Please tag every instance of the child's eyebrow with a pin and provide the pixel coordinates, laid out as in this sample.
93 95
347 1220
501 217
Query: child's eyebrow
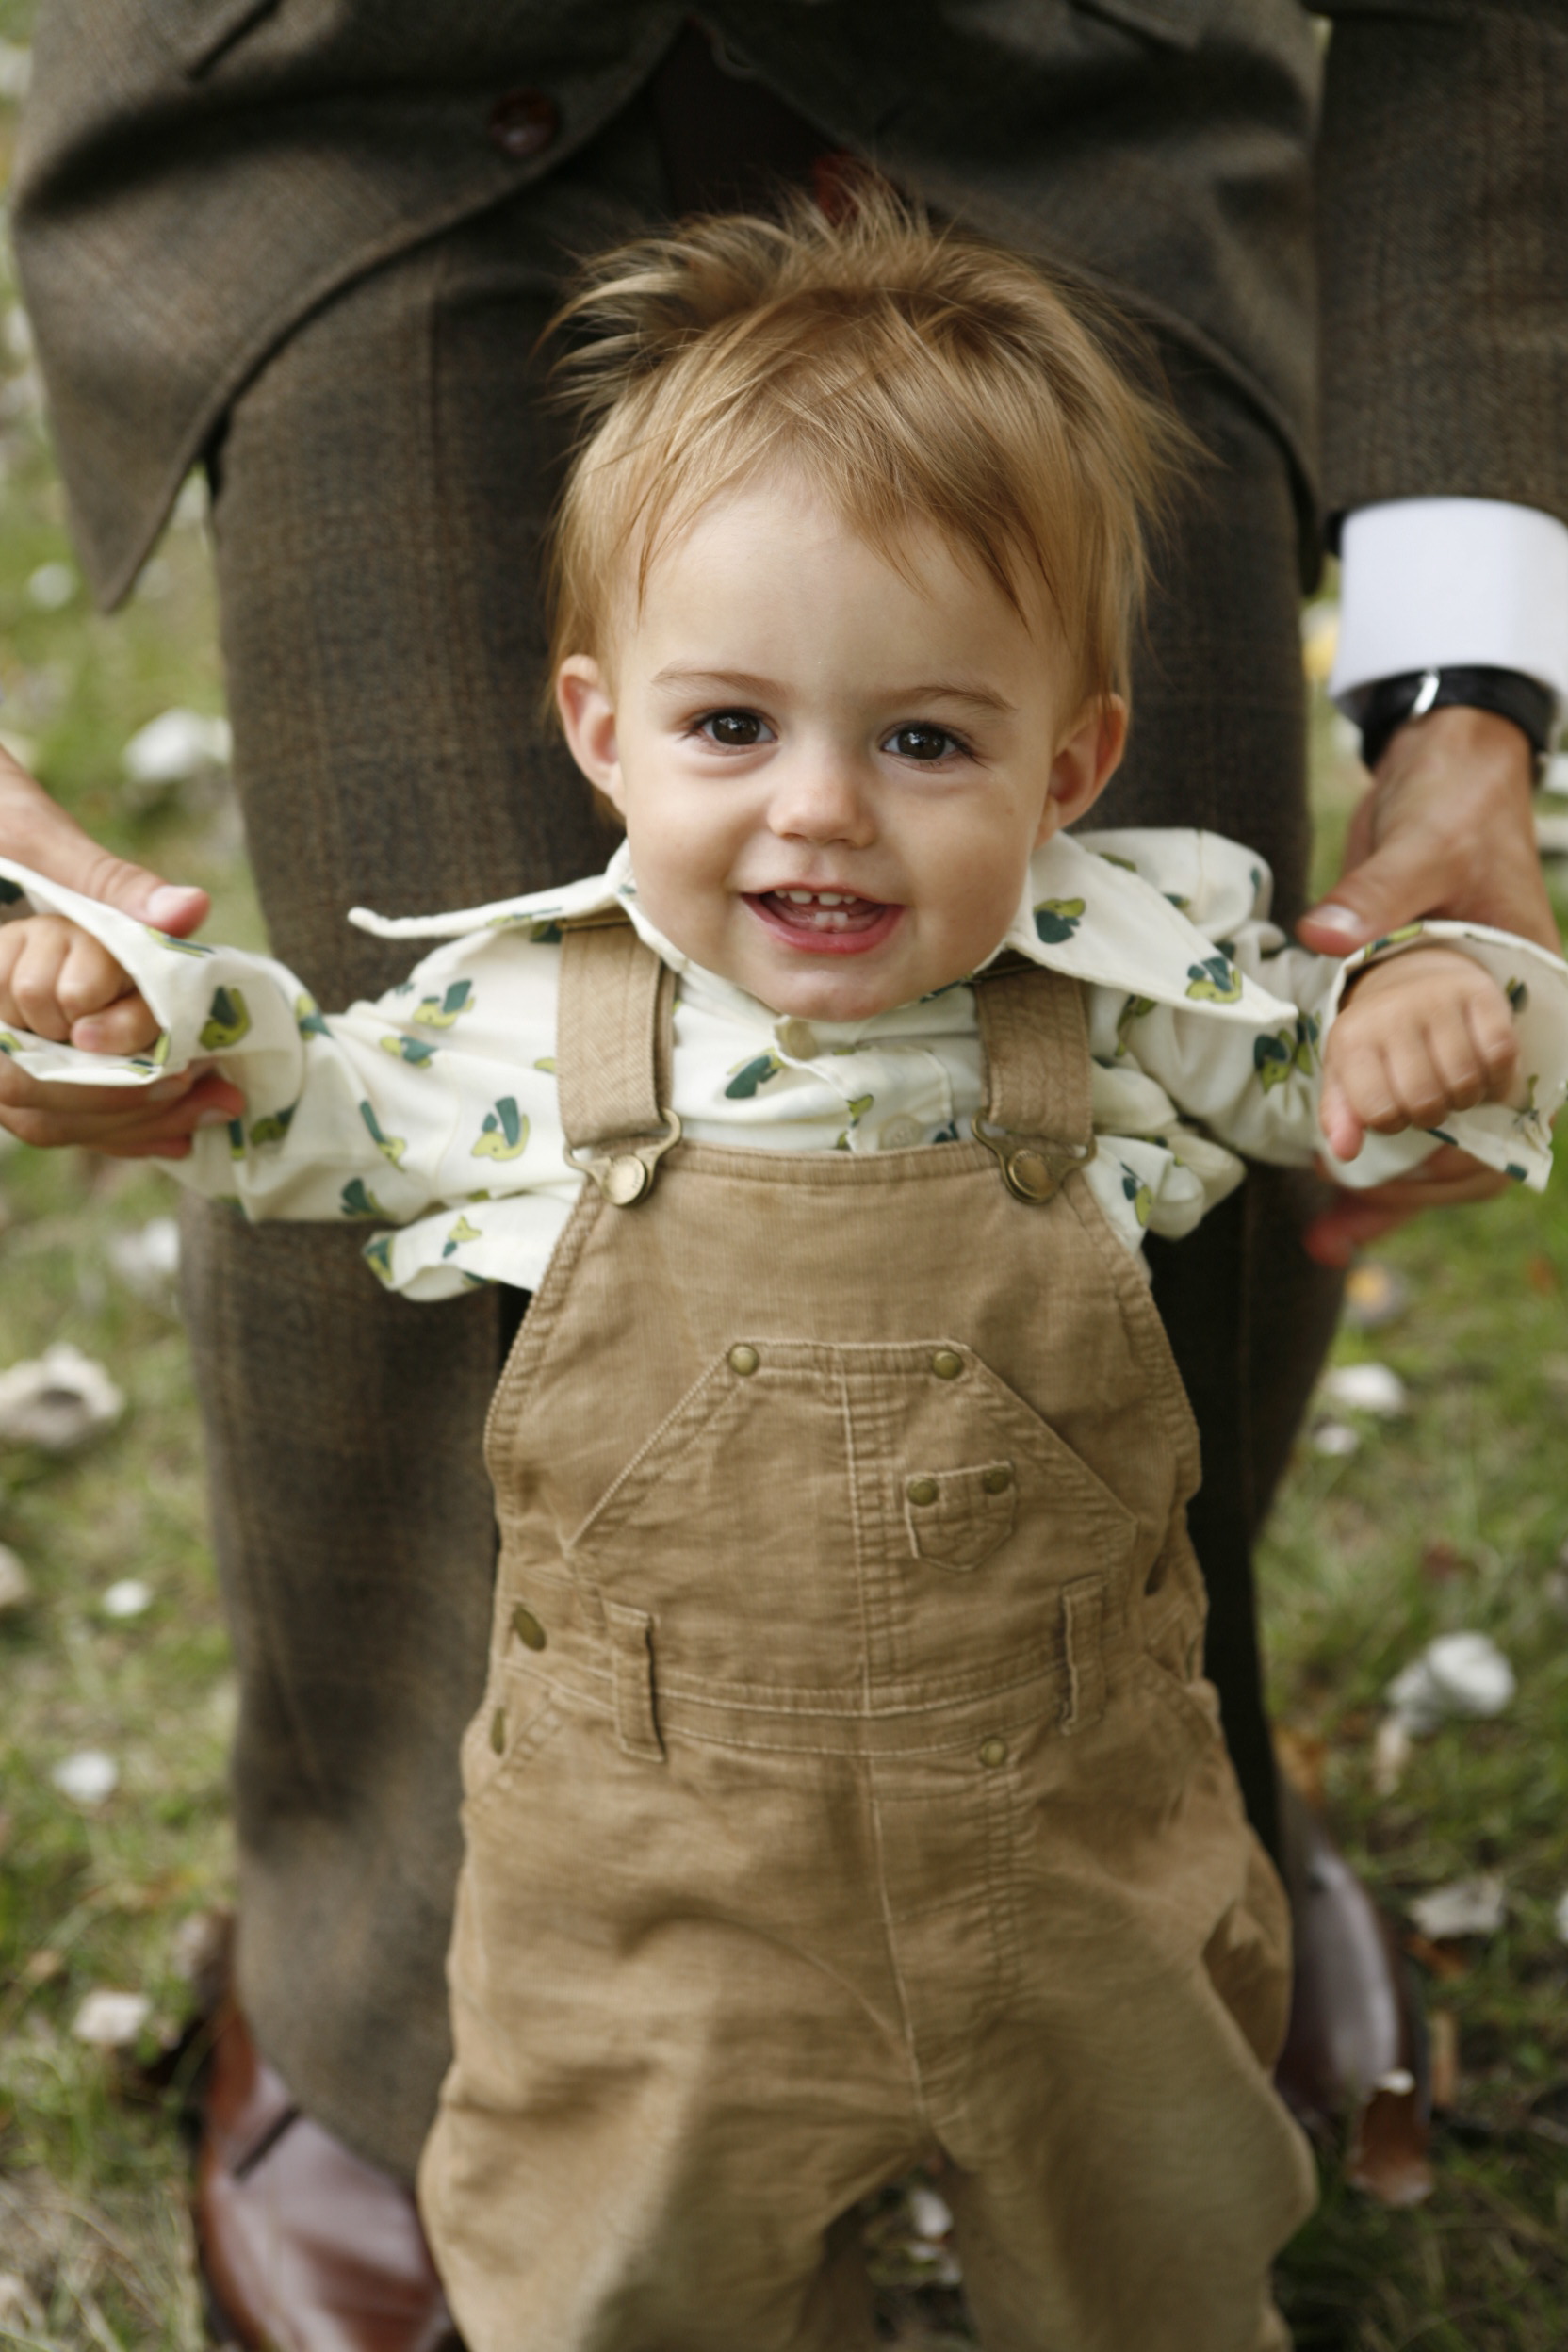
976 696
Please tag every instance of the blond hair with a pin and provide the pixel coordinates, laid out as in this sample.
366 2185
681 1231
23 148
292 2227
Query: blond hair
904 374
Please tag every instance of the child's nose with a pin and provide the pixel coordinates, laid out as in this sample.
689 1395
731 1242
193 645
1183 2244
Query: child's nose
821 800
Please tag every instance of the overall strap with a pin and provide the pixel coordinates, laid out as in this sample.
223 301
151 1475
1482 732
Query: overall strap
1038 1119
612 1054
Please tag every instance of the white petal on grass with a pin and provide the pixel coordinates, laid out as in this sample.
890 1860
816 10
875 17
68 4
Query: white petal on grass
1333 1438
1468 1906
1390 1755
16 70
1559 1917
129 1597
1459 1675
174 747
1366 1388
16 1587
110 2020
929 2212
148 1260
88 1777
56 1400
52 587
19 2311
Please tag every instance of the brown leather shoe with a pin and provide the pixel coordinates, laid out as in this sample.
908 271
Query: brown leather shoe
304 2248
1356 2049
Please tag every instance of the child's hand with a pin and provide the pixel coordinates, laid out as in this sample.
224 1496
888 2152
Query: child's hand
57 981
1426 1032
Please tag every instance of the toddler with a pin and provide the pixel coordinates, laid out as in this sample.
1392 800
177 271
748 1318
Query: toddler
845 1791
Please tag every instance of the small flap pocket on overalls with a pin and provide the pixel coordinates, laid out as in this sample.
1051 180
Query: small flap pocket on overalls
1084 1651
958 1518
631 1659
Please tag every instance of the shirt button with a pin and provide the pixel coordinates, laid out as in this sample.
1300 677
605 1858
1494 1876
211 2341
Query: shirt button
526 1625
921 1490
524 124
899 1134
498 1731
743 1360
997 1481
797 1038
945 1365
992 1752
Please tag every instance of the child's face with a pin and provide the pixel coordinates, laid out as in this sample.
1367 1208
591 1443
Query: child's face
831 778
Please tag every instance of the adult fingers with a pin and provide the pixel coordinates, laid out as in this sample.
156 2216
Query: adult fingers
37 832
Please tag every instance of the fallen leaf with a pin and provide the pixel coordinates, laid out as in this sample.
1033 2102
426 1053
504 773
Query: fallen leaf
1542 1275
1374 1296
88 1777
1467 1906
58 1402
16 1589
1459 1674
1388 2153
128 1598
1446 1962
1441 1561
110 2020
1366 1388
1443 2046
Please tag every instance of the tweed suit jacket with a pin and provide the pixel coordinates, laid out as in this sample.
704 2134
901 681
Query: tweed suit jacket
196 175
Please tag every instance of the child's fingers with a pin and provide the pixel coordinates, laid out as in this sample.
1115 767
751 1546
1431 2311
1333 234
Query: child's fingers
89 978
124 1027
32 986
1341 1129
1495 1041
1415 1079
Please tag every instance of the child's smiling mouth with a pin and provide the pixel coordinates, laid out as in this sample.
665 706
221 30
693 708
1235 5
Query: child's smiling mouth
835 922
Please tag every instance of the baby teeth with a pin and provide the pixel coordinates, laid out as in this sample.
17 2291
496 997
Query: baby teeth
818 898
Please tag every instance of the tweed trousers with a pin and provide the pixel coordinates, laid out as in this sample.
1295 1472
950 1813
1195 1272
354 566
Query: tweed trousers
381 495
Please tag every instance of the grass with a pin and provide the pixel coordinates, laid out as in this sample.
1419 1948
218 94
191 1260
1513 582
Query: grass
1450 1517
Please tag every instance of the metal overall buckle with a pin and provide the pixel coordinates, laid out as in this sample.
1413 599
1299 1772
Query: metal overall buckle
626 1175
1032 1169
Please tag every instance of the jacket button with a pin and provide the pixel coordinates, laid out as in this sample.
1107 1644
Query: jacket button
945 1365
526 1625
743 1360
498 1731
992 1752
923 1490
997 1481
524 124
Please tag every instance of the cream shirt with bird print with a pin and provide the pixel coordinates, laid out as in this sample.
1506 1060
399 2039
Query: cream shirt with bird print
430 1115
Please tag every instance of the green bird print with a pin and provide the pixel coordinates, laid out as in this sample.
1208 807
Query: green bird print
273 1127
228 1019
1135 1009
439 1012
1215 981
746 1077
460 1233
504 1134
308 1017
178 947
356 1199
1275 1057
418 1053
378 1257
10 1044
1057 919
1137 1192
390 1147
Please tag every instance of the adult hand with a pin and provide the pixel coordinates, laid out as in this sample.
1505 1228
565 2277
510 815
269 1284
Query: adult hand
1448 828
157 1120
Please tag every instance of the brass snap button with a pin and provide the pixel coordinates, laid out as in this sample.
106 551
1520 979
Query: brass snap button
997 1481
743 1360
945 1365
797 1038
498 1731
523 124
992 1752
921 1490
626 1180
1030 1176
526 1625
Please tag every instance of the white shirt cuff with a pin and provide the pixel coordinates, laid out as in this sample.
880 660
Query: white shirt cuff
1437 583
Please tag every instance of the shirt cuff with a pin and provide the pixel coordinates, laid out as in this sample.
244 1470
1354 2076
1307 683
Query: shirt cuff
1440 583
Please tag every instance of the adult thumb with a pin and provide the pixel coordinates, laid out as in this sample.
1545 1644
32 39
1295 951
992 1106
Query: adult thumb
37 832
1392 886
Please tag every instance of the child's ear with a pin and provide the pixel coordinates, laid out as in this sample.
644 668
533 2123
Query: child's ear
588 718
1084 762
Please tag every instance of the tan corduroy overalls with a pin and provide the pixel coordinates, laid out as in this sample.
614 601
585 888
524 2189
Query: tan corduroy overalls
842 1792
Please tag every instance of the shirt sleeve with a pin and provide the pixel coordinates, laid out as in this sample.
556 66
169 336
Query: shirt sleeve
1256 1087
1430 583
422 1097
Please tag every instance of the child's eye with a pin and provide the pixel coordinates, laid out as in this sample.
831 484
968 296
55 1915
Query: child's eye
922 743
736 730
